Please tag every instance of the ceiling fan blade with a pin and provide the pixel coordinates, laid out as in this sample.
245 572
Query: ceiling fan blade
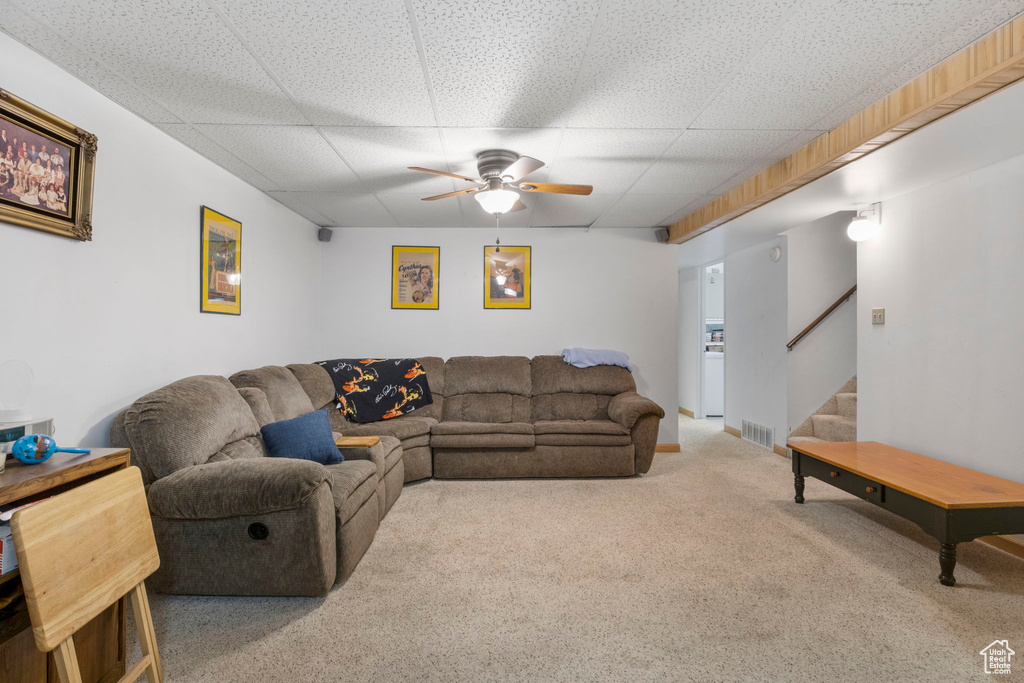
450 175
521 167
557 189
451 194
518 206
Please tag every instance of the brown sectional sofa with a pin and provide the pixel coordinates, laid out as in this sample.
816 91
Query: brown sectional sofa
230 521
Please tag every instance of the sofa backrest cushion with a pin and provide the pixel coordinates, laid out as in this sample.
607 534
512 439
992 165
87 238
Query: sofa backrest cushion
487 389
189 422
564 392
258 403
285 395
434 367
316 382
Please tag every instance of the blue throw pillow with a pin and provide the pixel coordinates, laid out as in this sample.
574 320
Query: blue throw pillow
306 437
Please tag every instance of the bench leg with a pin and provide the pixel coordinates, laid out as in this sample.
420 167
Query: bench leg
798 483
947 563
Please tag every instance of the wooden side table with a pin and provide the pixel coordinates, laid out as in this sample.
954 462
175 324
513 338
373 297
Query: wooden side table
100 643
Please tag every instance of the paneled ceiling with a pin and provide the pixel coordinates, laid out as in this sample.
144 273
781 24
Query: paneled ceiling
659 104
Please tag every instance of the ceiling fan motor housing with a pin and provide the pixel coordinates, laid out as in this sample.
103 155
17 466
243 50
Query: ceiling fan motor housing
491 162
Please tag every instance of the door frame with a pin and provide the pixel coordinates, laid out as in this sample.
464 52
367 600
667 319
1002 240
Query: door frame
701 331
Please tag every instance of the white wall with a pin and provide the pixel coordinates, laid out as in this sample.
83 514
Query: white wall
690 327
611 289
755 326
103 322
822 267
944 376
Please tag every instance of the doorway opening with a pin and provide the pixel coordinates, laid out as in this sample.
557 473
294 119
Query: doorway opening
712 343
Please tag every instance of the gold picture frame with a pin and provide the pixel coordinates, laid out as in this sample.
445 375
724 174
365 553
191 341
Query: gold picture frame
415 277
221 263
507 274
40 190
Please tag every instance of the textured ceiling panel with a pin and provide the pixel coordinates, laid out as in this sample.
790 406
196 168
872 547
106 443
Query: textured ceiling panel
295 157
412 212
187 134
293 200
380 156
643 210
463 144
610 160
565 209
686 210
826 54
177 51
347 64
511 63
702 159
347 210
654 63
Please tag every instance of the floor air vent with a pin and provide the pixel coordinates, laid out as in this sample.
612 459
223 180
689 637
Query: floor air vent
759 434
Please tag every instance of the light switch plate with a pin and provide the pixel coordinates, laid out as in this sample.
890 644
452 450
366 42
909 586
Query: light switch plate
877 316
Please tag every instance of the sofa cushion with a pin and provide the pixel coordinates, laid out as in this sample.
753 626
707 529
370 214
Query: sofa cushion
566 406
487 375
306 437
552 375
258 403
486 408
316 382
353 482
580 433
482 435
434 368
285 395
404 427
189 422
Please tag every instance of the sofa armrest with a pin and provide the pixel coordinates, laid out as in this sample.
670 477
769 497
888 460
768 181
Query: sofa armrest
235 488
628 407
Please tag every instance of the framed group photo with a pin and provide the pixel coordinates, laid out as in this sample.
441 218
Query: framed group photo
507 277
414 277
46 170
221 263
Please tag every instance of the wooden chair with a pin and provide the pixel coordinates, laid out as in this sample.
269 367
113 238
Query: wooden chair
81 552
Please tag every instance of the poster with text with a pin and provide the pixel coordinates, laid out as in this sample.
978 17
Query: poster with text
414 277
221 254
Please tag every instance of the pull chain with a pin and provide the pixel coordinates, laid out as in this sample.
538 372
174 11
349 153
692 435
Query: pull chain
497 237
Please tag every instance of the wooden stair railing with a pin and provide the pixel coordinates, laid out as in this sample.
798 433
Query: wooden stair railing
821 317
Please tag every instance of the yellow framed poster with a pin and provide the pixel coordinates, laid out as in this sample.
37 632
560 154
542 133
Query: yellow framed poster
221 258
507 277
414 277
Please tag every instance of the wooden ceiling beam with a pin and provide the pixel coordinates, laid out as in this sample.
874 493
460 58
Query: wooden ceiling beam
983 67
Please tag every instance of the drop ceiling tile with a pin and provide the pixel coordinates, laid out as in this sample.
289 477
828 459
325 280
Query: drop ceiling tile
654 63
510 63
463 144
347 209
974 28
702 159
296 158
412 212
827 53
565 209
192 138
473 216
179 52
381 157
642 210
348 63
798 140
610 160
294 201
685 211
22 27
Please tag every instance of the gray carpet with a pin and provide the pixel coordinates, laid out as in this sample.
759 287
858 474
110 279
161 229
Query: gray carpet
704 569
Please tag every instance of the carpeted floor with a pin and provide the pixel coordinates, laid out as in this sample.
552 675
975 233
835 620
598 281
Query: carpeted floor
702 570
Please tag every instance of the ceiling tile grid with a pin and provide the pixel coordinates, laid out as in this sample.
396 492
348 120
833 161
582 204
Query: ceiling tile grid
659 104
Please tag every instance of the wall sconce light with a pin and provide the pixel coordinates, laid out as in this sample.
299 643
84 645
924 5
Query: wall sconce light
866 225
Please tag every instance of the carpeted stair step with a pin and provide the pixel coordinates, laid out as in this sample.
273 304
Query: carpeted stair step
847 404
804 439
834 427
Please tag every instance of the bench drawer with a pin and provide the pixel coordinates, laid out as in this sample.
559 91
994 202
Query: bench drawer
859 486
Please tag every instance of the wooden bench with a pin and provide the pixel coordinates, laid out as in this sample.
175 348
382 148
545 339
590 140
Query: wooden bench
952 503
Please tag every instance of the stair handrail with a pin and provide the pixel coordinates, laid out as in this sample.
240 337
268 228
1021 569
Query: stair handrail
817 321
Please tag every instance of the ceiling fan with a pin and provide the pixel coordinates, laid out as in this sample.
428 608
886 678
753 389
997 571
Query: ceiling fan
500 174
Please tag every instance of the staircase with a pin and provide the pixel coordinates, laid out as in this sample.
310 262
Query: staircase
834 421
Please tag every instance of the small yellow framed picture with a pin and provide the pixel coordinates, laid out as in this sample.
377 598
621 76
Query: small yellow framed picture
414 277
507 277
221 257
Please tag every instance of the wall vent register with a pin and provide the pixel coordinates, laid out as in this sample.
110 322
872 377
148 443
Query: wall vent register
759 434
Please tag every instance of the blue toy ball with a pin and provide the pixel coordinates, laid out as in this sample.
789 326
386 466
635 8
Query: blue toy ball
36 448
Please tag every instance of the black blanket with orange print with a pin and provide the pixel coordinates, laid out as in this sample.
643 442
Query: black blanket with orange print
372 389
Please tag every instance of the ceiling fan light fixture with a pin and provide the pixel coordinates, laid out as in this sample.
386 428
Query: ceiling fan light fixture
497 201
